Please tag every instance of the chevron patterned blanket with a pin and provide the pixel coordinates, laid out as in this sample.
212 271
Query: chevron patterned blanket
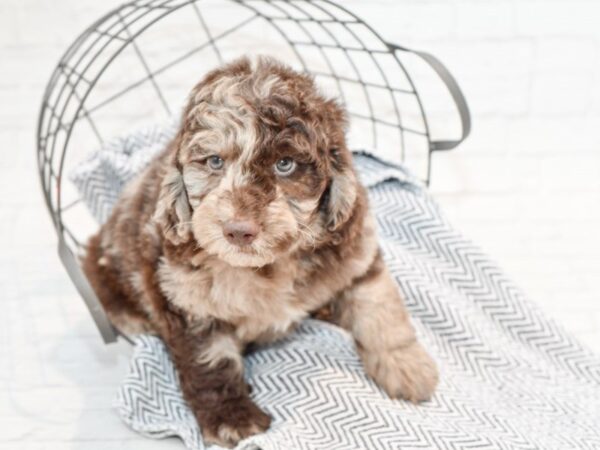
510 377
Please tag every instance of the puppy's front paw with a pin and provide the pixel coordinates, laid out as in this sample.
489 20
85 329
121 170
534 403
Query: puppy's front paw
232 422
408 372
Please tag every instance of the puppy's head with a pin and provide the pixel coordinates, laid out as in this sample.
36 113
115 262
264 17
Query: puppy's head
260 167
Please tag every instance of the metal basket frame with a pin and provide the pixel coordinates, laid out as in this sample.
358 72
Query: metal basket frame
75 76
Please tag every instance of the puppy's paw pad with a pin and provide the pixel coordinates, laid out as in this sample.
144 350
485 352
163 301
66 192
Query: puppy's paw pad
408 373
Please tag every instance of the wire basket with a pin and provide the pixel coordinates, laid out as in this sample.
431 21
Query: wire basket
137 63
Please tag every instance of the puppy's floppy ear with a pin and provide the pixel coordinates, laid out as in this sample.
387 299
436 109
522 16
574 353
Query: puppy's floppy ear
343 189
173 211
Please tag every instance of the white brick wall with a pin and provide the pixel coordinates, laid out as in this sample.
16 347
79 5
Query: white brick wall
526 186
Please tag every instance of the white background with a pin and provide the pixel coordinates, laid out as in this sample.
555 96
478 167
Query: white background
525 186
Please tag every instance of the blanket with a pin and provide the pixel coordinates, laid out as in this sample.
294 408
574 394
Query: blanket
509 377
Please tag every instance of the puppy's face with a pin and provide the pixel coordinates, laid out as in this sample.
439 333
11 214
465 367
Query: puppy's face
261 168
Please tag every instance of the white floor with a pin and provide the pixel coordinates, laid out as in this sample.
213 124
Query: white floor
537 213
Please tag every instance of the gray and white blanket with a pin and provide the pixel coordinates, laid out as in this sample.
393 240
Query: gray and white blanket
510 378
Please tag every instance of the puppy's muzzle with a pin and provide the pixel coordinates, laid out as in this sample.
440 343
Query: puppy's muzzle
241 232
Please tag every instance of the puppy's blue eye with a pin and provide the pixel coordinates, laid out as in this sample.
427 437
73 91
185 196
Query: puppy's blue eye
285 166
215 162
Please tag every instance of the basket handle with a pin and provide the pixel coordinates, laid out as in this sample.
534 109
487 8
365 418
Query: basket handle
107 331
455 92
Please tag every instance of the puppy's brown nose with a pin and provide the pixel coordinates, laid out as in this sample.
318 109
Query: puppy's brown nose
240 232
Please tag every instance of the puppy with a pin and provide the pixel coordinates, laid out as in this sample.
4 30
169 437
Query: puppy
251 220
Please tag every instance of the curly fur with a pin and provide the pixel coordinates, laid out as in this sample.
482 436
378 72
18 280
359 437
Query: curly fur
162 264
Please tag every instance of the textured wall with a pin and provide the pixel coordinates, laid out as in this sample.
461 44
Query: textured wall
526 184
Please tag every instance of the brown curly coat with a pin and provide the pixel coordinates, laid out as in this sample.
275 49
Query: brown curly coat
163 264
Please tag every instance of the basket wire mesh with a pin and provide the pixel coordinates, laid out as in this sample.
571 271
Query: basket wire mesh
136 64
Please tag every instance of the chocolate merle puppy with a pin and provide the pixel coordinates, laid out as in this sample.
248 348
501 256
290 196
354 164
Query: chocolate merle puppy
251 220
